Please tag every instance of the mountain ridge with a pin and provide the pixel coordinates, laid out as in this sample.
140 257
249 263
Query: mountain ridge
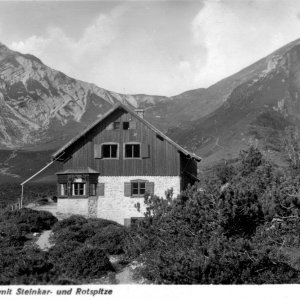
42 108
258 110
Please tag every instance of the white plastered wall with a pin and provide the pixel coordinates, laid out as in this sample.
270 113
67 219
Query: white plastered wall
115 206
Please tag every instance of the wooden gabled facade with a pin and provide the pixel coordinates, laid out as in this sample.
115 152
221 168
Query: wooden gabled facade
121 147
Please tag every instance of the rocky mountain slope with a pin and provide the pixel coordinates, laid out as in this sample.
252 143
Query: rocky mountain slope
41 108
260 109
36 101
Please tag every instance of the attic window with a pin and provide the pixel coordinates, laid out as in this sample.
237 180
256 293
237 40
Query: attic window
109 151
132 150
125 125
116 125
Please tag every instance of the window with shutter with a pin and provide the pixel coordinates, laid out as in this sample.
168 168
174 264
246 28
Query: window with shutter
132 125
69 187
78 189
110 126
110 151
100 189
145 150
139 187
93 187
150 187
127 189
63 190
117 125
132 150
97 151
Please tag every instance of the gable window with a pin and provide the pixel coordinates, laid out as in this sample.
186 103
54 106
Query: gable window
125 125
138 188
78 189
117 125
110 151
132 150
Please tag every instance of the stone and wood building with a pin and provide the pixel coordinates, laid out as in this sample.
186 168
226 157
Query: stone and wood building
107 168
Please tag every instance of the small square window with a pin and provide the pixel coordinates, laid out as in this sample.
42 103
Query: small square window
138 188
117 125
125 125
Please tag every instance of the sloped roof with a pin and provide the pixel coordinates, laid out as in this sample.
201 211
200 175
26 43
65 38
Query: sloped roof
87 170
115 107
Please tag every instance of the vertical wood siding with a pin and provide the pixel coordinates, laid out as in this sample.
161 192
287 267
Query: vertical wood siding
163 160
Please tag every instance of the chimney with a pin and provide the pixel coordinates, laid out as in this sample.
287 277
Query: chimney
140 112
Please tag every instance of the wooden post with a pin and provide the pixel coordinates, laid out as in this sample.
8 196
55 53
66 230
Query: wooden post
22 184
22 195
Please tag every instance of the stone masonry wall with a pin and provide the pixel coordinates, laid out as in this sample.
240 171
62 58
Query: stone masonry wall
115 206
75 206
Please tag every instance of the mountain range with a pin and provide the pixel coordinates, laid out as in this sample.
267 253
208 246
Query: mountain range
41 109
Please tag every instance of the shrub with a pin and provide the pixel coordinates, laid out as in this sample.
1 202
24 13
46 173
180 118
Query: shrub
110 239
27 266
32 220
79 229
12 235
61 251
93 263
250 159
229 236
224 172
75 220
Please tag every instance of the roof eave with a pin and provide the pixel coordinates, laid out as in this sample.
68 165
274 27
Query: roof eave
68 144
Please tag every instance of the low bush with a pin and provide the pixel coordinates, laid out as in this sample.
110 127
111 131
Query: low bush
12 235
27 266
85 263
76 222
110 239
30 220
107 235
61 252
239 234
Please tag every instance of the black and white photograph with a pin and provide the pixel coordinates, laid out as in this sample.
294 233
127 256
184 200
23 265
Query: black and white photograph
149 143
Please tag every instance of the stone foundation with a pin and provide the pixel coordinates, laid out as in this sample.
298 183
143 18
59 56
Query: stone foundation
92 207
76 206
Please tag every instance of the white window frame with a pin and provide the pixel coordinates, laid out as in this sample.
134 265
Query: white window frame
102 152
131 143
73 189
139 182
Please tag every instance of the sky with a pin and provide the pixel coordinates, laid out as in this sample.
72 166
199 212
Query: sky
149 47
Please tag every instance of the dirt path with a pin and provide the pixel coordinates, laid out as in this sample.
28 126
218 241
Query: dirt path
43 240
125 276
